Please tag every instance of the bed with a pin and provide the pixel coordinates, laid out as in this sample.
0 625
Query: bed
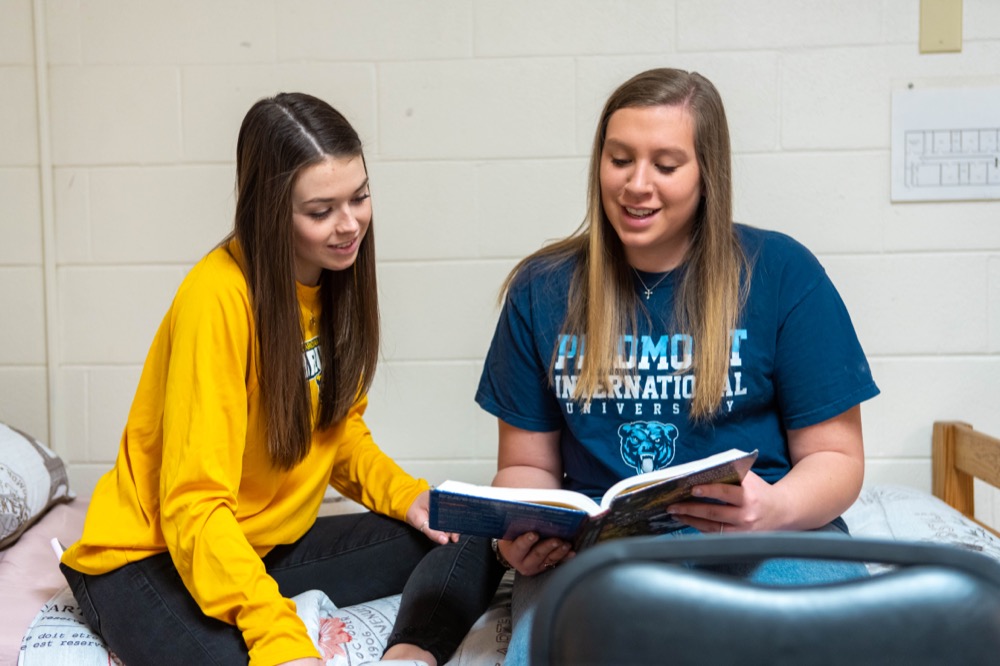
39 623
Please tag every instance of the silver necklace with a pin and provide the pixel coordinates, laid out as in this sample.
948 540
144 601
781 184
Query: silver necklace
648 289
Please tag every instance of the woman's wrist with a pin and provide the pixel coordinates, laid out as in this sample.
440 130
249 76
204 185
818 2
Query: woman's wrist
500 558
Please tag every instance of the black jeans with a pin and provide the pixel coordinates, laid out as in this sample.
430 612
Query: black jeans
146 616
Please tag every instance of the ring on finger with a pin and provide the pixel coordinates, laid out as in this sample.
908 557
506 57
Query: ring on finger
425 524
549 565
721 526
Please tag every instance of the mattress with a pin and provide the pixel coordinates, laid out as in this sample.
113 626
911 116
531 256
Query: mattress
29 573
35 601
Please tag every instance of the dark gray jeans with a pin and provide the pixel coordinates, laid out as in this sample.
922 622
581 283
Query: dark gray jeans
145 614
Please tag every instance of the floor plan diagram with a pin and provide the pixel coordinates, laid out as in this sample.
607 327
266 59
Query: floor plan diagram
946 144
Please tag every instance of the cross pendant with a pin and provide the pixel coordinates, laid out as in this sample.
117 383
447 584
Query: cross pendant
649 292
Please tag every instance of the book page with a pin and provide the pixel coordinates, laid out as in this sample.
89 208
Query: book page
633 483
644 508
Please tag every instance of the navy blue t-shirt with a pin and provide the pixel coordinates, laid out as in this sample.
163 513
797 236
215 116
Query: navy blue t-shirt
795 361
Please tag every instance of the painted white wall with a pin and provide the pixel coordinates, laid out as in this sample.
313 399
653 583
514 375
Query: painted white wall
119 118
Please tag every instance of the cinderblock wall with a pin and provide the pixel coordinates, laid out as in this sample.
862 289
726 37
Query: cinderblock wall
118 124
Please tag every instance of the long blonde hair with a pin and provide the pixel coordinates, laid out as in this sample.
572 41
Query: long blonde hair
602 303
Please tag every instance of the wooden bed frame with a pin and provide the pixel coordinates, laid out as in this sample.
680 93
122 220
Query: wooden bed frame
959 455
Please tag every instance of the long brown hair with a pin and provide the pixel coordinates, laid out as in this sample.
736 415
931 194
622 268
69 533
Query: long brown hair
603 304
280 136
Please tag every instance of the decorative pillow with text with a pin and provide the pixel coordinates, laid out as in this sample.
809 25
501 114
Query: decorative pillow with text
32 479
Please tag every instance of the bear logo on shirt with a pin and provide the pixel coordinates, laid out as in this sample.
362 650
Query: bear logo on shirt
648 445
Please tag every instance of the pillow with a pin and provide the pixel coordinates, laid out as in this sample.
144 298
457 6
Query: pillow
59 636
32 479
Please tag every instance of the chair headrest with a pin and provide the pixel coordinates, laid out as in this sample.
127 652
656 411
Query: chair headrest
635 601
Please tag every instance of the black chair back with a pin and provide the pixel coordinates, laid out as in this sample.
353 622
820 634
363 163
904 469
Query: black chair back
634 601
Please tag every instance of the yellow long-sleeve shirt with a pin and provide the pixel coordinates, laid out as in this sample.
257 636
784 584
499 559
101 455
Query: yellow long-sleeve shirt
193 477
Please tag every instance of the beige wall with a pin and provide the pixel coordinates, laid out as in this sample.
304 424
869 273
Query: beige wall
119 119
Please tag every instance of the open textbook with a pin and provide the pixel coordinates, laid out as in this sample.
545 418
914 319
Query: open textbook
633 506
